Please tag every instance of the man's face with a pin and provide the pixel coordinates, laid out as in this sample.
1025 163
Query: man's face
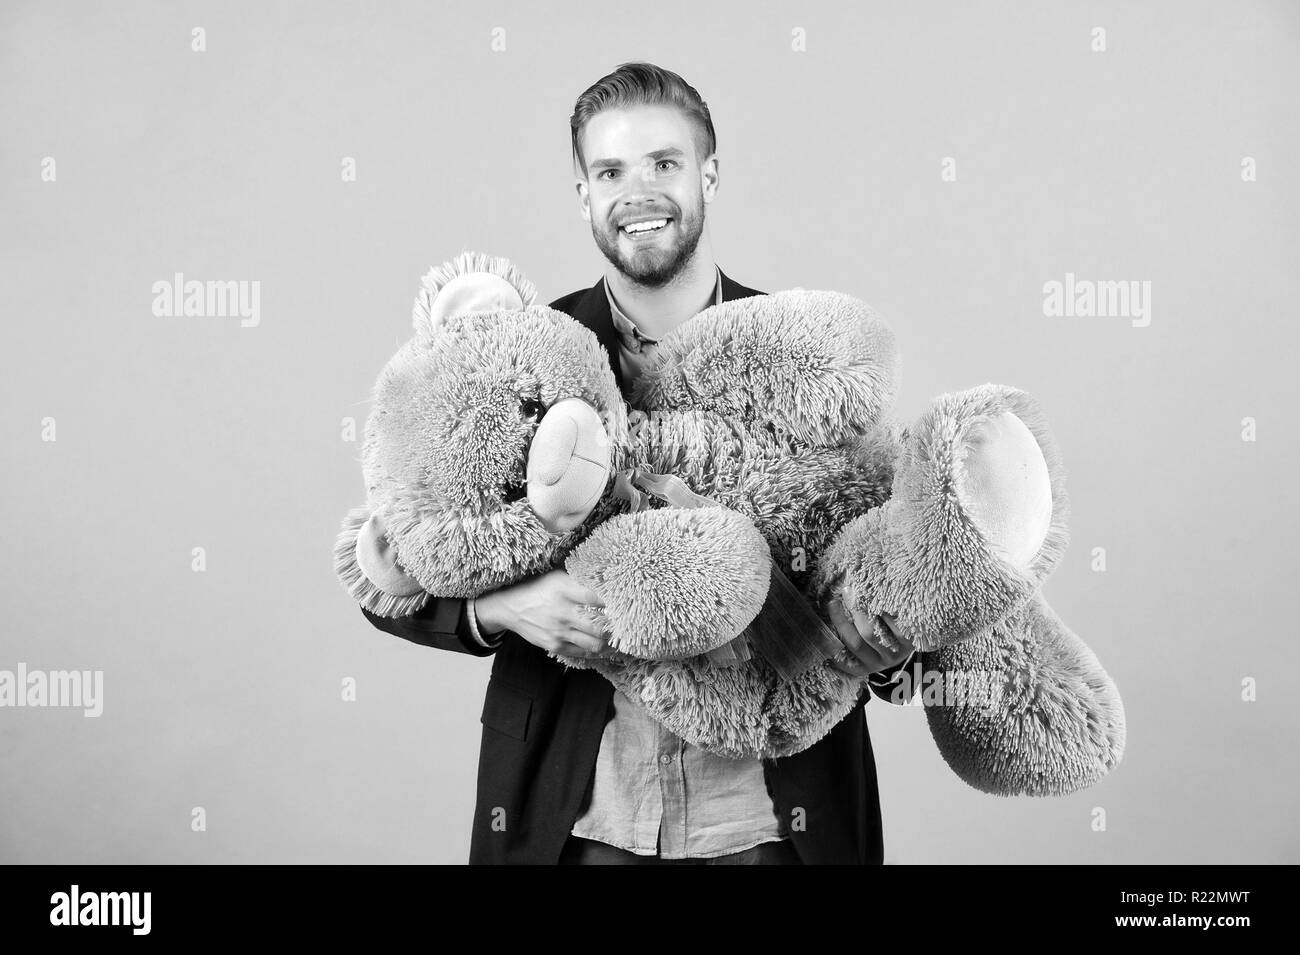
642 166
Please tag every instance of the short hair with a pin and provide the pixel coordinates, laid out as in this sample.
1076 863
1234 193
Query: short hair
642 84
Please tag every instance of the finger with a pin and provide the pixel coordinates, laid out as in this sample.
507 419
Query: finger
848 633
860 644
843 630
885 639
867 627
581 594
582 645
590 622
893 659
872 658
836 610
896 632
851 668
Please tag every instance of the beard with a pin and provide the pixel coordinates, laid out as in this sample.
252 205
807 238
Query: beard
652 265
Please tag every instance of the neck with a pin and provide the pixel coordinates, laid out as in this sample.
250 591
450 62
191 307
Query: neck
657 311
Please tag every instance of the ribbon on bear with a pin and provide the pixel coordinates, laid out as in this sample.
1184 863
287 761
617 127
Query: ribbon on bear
788 633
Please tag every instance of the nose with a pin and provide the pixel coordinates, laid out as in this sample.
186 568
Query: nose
568 465
647 170
641 182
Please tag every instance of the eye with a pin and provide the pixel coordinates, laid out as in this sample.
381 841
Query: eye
532 410
668 162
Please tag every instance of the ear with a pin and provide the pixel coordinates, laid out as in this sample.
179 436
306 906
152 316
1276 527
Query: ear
366 562
471 282
584 200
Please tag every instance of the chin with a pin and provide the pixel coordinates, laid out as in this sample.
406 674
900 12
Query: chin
653 266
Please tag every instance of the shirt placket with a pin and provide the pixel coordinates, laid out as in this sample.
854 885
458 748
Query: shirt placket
648 781
672 791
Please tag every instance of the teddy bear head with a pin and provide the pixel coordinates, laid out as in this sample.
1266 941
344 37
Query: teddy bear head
490 440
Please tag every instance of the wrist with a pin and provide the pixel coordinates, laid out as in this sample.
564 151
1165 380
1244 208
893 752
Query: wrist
490 614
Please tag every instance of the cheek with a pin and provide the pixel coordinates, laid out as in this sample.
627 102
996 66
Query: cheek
693 200
478 452
601 208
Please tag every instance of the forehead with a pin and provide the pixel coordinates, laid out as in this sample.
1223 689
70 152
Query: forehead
630 133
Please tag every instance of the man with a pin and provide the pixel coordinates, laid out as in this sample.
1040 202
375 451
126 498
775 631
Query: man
569 770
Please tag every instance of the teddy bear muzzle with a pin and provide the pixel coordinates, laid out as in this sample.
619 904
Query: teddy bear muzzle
568 465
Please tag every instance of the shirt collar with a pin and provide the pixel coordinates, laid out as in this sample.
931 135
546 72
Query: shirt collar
628 333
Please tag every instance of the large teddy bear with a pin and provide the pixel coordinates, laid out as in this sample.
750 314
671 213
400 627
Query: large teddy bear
757 474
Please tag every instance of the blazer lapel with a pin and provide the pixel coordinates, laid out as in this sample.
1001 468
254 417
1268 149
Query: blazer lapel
592 311
732 290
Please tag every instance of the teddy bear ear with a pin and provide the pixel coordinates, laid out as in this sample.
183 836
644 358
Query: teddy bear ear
471 282
366 563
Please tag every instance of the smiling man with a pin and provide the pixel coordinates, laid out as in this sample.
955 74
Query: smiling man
571 771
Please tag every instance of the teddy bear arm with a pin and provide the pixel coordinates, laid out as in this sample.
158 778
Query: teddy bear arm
674 581
975 522
368 566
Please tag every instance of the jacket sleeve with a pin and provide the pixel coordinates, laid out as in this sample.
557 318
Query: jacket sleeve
442 623
898 684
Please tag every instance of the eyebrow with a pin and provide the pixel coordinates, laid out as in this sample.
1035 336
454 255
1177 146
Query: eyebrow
654 154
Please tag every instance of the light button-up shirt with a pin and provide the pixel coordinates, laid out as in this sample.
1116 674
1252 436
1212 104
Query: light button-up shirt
653 792
636 350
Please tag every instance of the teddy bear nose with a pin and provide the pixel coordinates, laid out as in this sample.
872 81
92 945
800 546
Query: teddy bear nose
568 465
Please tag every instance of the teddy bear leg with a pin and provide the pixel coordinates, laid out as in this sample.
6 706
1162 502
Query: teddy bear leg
1024 710
675 582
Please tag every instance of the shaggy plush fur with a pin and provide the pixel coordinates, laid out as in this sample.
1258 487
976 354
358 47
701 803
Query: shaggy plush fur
824 377
920 556
447 440
675 583
776 408
1057 724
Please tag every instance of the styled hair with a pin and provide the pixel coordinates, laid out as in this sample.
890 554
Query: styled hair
642 84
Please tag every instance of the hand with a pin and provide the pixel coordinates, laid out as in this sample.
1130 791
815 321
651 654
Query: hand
875 643
551 611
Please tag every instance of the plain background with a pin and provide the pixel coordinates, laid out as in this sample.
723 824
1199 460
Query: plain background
222 688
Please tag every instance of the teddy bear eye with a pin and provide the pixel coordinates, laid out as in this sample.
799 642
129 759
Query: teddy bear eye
532 409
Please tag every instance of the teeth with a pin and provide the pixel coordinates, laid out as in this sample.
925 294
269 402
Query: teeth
647 226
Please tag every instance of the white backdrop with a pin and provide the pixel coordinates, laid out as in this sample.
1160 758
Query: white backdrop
222 687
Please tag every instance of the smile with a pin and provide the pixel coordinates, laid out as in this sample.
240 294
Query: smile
648 227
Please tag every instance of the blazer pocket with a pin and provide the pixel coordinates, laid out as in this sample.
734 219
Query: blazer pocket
506 710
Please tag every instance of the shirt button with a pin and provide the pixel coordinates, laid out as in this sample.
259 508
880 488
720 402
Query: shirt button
665 758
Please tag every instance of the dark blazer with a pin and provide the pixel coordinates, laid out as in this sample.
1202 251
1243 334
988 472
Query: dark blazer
542 724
